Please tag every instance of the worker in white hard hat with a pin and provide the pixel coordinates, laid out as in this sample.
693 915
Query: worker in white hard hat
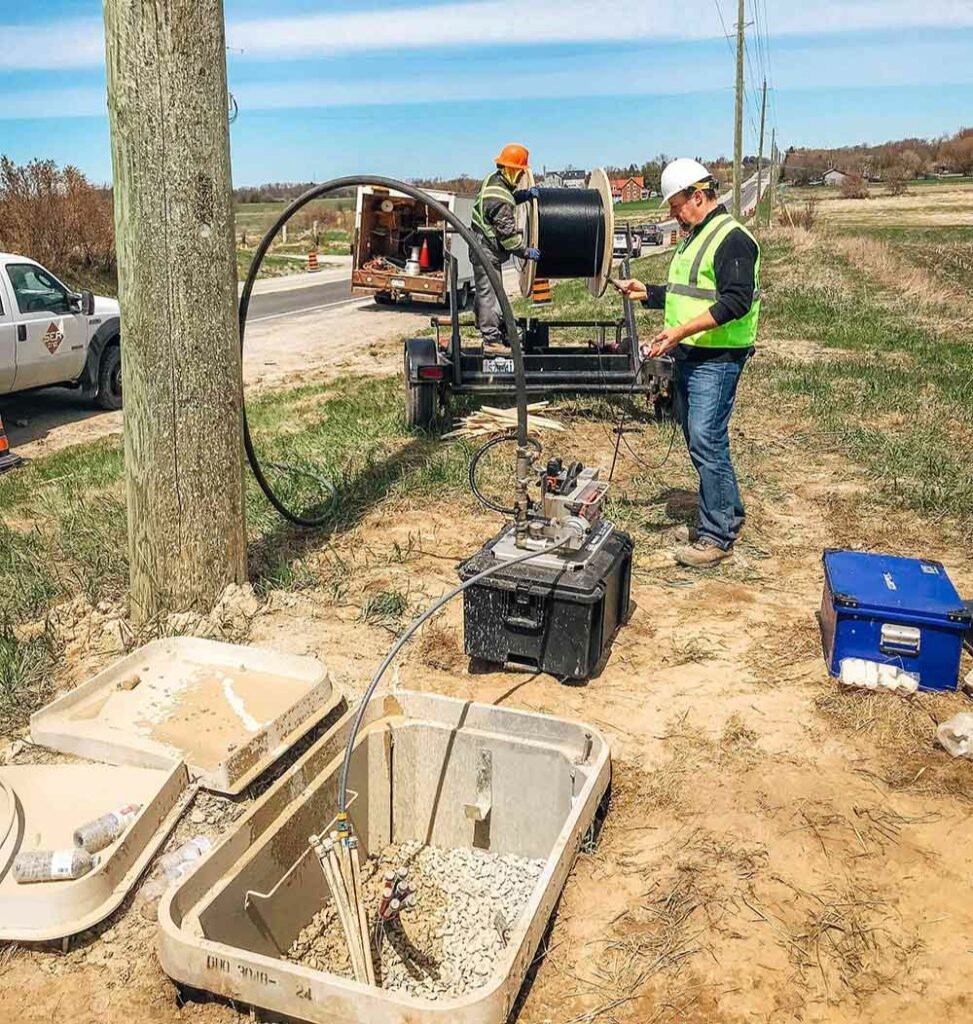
712 304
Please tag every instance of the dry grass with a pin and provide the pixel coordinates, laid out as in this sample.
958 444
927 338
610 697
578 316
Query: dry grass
911 284
850 939
439 648
900 732
782 653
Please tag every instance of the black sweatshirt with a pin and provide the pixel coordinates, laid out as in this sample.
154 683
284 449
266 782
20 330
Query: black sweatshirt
734 263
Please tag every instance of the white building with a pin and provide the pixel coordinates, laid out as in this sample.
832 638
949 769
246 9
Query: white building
573 178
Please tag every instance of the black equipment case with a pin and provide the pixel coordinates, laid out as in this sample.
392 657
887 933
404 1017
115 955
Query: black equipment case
554 620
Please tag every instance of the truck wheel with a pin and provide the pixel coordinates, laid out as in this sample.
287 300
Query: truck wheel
420 402
110 378
384 299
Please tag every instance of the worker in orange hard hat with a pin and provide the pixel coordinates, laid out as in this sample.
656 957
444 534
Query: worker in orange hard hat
495 225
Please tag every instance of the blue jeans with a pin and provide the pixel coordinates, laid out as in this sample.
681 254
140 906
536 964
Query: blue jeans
704 398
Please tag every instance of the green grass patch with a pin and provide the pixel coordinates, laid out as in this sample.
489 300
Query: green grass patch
888 398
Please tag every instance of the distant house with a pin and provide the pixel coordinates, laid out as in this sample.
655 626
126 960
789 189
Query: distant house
628 190
574 178
551 179
834 177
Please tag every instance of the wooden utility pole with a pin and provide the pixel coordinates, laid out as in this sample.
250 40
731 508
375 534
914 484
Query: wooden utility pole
182 380
773 170
738 118
760 153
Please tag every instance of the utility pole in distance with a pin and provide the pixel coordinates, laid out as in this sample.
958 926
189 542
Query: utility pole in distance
182 379
773 171
760 152
738 118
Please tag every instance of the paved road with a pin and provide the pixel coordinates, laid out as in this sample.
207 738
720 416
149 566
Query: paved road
316 296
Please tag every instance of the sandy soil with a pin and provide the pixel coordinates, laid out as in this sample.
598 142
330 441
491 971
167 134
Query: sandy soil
776 850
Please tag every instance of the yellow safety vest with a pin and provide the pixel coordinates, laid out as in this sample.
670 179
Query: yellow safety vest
692 287
494 189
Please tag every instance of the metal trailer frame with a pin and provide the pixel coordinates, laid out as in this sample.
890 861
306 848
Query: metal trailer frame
436 368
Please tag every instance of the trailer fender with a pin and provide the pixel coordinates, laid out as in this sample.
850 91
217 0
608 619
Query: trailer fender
420 352
106 334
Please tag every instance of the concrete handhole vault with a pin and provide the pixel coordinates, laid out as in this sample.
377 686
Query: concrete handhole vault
228 711
456 779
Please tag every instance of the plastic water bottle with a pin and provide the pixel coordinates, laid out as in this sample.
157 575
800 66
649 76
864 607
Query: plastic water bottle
103 831
52 865
172 866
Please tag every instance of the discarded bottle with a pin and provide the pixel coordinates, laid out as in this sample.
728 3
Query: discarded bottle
171 866
103 831
52 865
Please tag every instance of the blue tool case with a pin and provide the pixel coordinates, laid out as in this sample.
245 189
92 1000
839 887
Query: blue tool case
895 611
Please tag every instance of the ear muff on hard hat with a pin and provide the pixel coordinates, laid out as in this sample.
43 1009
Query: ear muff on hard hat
514 156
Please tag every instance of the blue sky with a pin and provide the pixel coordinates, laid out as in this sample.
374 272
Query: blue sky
433 87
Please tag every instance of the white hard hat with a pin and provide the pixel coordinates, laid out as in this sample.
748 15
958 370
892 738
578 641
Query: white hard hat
680 174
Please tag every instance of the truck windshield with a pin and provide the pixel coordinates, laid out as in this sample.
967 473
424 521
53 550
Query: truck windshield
36 291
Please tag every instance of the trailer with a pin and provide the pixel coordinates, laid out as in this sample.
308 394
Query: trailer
402 251
609 361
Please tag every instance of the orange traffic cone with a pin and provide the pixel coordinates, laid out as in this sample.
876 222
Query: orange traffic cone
7 458
424 255
541 293
312 260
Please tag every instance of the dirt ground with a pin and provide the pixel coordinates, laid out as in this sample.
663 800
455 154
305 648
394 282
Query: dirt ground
776 850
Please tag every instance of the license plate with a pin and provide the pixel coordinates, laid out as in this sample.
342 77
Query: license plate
498 365
397 282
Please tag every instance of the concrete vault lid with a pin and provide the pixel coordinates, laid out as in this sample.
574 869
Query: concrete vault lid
228 711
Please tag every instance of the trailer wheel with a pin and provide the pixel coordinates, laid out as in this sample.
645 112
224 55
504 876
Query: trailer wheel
420 402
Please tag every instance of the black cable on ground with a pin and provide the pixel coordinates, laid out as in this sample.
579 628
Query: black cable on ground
477 253
474 462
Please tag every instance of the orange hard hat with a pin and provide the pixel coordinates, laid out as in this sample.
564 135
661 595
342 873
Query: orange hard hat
513 155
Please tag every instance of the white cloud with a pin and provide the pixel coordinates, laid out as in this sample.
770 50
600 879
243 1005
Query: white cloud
56 45
78 43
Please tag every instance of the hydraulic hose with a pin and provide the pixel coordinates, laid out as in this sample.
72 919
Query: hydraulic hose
390 657
474 463
477 253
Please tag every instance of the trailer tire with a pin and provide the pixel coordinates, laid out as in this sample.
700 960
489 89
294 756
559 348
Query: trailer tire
420 401
110 378
420 405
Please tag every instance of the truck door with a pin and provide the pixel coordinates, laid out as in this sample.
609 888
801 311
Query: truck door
50 335
8 351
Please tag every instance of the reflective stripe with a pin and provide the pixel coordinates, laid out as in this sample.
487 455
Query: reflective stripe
691 291
719 224
501 194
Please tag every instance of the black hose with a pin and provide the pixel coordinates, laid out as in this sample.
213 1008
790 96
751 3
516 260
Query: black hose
477 253
474 462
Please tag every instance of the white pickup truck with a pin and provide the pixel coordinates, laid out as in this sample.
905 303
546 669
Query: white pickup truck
50 335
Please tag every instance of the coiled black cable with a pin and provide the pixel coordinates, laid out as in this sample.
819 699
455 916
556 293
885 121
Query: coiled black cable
571 232
477 253
475 461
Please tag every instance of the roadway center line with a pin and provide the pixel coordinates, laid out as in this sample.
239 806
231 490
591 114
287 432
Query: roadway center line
306 309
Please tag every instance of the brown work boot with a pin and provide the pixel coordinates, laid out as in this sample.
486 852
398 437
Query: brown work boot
704 554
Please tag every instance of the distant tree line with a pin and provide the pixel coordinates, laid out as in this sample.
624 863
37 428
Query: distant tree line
900 160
